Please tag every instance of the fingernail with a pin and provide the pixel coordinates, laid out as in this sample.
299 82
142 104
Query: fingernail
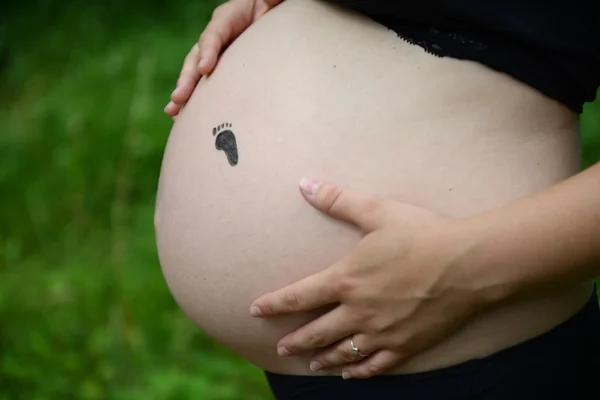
315 366
255 311
346 375
309 187
167 106
283 352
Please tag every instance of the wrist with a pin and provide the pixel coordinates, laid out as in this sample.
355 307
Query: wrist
472 269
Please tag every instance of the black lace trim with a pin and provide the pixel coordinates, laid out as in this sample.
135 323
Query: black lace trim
438 41
561 62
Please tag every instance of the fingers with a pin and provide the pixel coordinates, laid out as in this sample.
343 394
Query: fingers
367 212
377 364
342 353
229 20
309 293
323 331
188 78
189 71
217 35
201 60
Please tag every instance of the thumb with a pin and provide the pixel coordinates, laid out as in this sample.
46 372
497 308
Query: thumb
364 211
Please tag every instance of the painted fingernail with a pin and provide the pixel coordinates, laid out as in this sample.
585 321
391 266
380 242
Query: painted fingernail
255 311
283 352
315 366
309 187
346 375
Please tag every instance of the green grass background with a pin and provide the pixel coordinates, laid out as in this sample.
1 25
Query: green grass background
84 310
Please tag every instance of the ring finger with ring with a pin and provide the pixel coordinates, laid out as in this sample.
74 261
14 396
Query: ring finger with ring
348 350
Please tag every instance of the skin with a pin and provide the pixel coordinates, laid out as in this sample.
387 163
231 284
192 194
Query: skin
228 21
416 276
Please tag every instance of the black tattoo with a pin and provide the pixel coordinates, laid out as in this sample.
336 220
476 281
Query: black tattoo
226 141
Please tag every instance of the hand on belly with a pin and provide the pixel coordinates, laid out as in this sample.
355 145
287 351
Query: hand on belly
394 300
285 86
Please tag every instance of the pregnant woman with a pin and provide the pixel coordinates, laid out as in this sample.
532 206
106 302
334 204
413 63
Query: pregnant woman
460 263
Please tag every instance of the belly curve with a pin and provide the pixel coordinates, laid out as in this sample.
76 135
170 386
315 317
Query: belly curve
290 99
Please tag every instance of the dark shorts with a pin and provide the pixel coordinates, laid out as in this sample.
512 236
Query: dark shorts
563 363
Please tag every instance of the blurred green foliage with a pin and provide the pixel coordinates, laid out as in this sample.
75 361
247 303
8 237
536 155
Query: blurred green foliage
84 309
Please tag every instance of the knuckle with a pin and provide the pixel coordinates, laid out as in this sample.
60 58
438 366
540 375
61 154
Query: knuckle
371 205
184 78
315 339
213 38
205 32
201 42
358 319
190 56
220 12
370 314
379 325
343 286
205 37
346 355
292 302
292 346
327 360
220 37
212 29
373 369
331 197
268 308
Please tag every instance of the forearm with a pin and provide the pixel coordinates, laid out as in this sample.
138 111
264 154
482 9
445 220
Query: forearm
547 239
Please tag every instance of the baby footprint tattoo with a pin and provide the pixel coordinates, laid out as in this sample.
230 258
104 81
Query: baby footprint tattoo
225 140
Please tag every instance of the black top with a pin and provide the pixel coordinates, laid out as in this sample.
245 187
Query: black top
552 45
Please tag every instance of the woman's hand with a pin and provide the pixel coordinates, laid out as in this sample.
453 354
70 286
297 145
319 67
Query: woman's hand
228 21
394 292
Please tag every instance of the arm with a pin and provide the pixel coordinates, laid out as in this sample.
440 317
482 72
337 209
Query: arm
552 237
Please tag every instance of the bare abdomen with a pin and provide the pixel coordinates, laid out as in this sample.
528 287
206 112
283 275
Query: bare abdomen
312 91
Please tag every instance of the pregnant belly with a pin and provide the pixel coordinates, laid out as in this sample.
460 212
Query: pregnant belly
311 90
